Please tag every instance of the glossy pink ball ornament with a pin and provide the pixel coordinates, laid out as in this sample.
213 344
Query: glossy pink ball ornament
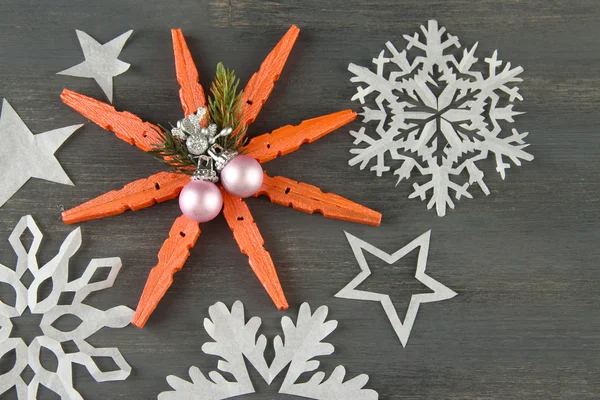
242 176
200 200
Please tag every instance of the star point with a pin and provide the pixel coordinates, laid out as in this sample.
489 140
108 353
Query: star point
101 61
31 156
439 291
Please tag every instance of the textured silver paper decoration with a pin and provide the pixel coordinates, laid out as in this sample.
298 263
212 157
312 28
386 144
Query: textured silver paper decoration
234 340
101 61
26 155
440 292
92 319
438 115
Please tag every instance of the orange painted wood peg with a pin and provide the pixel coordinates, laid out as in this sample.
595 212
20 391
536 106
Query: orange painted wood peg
134 196
191 92
171 258
310 199
127 126
289 138
261 84
251 243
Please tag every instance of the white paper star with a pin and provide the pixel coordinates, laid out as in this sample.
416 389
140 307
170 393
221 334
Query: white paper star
440 292
26 155
101 61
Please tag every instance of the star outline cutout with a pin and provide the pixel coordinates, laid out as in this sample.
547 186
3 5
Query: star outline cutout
440 291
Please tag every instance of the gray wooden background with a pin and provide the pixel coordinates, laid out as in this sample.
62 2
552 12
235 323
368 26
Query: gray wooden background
524 260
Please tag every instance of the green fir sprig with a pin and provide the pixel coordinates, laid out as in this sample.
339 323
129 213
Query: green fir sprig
174 153
224 109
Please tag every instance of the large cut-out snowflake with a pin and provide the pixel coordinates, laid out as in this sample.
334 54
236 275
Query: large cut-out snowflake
235 341
445 115
52 307
165 186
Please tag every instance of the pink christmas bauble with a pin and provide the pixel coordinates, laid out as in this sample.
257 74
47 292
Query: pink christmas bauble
200 201
242 176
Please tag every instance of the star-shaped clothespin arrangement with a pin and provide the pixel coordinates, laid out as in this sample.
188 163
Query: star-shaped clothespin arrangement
440 292
165 186
101 62
28 155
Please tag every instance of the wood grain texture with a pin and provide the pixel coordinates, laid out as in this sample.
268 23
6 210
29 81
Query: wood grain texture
289 138
308 198
251 243
524 260
261 84
191 93
171 258
134 196
127 126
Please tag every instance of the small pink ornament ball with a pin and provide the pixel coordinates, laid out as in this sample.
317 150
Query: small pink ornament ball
200 200
242 176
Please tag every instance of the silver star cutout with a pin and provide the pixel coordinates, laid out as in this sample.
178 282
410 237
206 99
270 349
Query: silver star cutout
27 155
101 61
440 292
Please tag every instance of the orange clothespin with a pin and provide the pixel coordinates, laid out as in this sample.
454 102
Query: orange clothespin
166 185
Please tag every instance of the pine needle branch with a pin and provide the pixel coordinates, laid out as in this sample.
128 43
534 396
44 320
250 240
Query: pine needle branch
173 152
224 110
225 107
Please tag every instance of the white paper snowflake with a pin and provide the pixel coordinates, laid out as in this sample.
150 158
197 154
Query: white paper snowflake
445 115
235 340
92 319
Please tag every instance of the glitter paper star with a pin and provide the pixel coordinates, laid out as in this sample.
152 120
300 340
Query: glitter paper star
440 292
167 185
101 62
28 155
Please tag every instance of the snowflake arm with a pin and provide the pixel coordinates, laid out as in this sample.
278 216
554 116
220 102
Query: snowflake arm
215 388
500 81
405 170
302 343
333 388
467 61
375 83
440 184
512 147
401 61
377 150
13 376
57 269
233 339
26 259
